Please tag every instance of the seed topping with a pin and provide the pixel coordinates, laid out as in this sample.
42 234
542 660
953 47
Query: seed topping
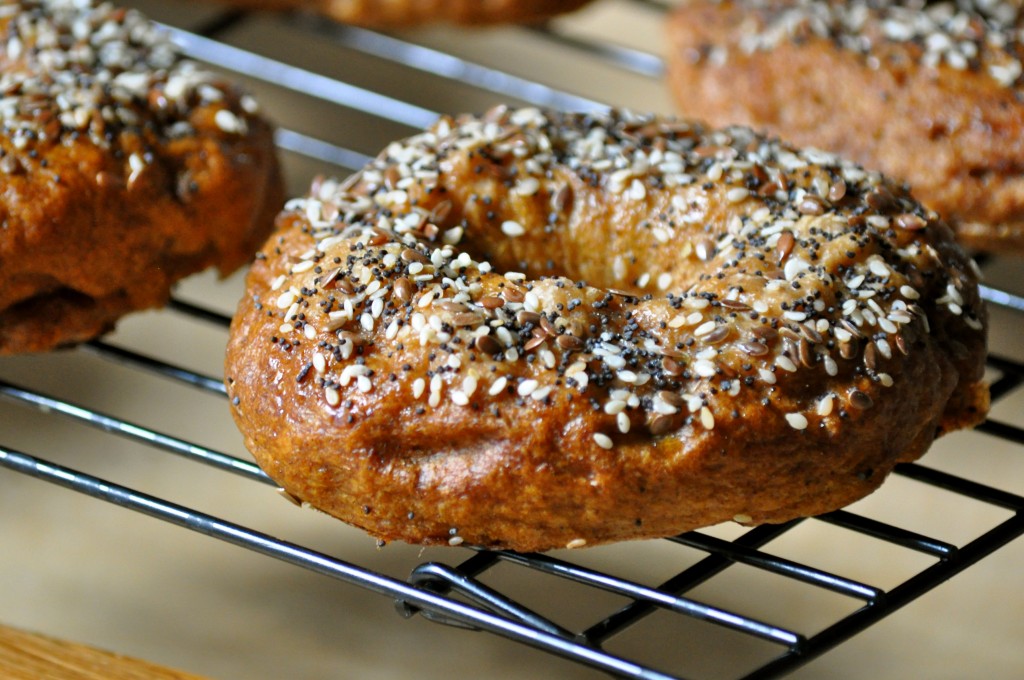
976 35
798 288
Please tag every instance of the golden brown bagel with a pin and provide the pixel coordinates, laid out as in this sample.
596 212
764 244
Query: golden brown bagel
535 330
124 168
929 93
395 13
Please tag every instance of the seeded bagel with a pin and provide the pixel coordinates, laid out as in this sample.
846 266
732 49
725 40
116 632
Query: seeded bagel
124 168
533 330
395 13
929 93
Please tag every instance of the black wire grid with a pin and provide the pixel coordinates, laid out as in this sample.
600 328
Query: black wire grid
456 595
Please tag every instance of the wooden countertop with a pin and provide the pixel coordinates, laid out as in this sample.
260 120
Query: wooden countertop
29 656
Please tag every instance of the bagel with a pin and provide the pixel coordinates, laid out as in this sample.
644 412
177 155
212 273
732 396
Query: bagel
535 330
928 93
124 167
399 13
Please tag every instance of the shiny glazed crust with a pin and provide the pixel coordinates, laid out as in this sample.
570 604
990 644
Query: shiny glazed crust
124 168
929 96
535 330
395 13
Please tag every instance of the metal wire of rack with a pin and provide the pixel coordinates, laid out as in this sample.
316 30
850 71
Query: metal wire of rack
461 594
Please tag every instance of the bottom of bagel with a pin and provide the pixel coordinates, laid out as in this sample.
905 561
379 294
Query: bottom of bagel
65 317
543 486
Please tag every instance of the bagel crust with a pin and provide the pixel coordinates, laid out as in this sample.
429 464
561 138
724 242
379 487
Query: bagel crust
535 330
124 168
399 13
928 93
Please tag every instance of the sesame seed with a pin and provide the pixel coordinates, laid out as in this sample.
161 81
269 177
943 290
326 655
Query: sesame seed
452 236
619 268
705 368
707 418
794 267
527 186
627 376
603 440
705 328
900 316
137 165
878 267
797 421
512 229
287 299
527 387
785 363
614 406
541 393
498 386
737 195
229 122
637 190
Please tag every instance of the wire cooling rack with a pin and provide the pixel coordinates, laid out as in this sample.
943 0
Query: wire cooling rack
463 590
